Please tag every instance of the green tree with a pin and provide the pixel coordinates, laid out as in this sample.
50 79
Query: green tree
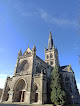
58 94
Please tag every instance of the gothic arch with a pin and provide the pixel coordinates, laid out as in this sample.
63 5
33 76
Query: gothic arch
51 55
35 87
19 88
26 85
35 93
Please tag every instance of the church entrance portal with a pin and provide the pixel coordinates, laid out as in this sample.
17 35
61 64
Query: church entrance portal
19 92
35 93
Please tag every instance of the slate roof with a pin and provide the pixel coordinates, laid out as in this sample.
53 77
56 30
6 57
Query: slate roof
64 68
43 61
50 41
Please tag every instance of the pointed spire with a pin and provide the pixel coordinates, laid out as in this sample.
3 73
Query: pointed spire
50 41
50 35
34 50
69 65
20 53
34 47
45 47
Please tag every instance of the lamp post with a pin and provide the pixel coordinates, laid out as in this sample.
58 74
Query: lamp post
73 99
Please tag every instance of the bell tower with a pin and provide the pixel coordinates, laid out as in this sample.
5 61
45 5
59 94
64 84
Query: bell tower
51 53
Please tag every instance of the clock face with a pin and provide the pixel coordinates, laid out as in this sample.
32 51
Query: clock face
24 66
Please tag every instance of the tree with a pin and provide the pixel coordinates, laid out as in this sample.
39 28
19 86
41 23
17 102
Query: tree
58 94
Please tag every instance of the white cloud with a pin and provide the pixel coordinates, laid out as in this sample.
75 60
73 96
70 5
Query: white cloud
30 9
78 85
2 83
50 19
56 20
3 75
3 79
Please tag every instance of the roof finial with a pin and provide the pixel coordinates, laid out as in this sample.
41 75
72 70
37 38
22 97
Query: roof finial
34 50
45 47
70 65
34 44
28 46
50 31
20 53
50 35
34 47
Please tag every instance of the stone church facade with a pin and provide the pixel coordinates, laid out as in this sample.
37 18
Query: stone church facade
31 80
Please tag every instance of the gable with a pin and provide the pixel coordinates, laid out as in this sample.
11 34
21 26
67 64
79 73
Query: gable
28 51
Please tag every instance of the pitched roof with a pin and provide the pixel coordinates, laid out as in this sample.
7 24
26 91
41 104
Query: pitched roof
66 68
50 41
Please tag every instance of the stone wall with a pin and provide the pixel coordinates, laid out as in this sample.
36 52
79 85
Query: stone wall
1 90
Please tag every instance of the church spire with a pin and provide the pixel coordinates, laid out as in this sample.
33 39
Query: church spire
34 50
50 33
20 53
50 41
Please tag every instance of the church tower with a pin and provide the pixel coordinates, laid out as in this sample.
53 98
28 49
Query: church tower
51 54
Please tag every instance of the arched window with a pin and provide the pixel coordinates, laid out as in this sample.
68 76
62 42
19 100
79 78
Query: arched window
35 87
24 66
47 56
51 56
51 62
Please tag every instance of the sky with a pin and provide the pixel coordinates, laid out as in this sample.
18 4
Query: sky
28 22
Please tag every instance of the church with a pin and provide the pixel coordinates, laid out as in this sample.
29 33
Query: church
30 82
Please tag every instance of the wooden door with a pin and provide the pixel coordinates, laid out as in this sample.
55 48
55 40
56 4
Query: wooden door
20 92
36 97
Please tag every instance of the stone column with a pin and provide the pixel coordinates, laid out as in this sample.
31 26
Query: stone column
21 97
41 86
27 97
10 96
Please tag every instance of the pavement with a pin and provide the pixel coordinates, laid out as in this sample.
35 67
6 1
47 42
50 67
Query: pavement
24 104
3 104
11 105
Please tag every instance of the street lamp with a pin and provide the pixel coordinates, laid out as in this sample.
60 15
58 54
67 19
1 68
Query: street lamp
72 99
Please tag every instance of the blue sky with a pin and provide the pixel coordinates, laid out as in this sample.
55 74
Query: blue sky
27 22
